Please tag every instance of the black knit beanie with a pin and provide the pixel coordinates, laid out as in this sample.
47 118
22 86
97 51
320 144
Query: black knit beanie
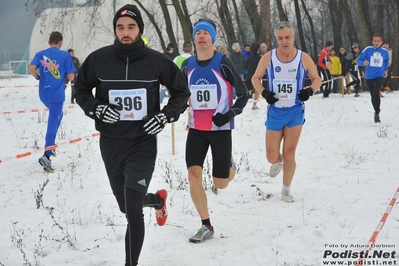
130 11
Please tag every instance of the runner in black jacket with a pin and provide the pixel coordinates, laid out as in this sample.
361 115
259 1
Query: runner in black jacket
352 67
126 110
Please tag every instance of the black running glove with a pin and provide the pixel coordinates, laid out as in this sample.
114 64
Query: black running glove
304 94
106 113
155 123
269 96
222 119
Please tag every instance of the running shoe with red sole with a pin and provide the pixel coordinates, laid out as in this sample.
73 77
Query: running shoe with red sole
162 213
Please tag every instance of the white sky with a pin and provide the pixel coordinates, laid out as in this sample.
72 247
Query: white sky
347 173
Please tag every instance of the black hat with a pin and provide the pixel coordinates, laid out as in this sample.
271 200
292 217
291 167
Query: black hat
130 11
170 46
70 50
355 45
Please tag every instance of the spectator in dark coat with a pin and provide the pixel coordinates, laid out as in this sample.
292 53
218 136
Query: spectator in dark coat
170 51
238 59
76 64
251 65
342 57
247 51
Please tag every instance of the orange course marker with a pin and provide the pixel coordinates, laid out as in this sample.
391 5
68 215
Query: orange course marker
55 146
380 225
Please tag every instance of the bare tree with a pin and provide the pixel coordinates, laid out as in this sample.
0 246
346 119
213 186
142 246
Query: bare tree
265 28
226 20
349 21
153 22
299 26
187 17
241 32
395 39
281 13
336 15
380 17
363 15
168 23
312 30
182 14
252 10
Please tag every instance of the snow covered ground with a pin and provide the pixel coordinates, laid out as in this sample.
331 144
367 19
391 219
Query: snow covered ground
346 176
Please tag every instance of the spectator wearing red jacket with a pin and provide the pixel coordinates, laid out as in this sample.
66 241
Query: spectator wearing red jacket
323 66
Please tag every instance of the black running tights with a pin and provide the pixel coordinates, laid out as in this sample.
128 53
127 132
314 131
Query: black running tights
355 80
374 86
132 205
326 76
388 78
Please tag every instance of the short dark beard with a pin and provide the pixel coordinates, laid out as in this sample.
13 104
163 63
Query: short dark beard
134 41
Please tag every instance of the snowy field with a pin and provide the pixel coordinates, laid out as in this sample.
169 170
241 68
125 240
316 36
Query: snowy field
346 176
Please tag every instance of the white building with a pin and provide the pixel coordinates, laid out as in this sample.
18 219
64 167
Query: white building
80 32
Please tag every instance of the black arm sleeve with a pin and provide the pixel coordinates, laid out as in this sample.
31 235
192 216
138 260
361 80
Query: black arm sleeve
230 73
184 68
84 85
176 82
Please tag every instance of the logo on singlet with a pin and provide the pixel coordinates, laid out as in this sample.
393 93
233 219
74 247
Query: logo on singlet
277 69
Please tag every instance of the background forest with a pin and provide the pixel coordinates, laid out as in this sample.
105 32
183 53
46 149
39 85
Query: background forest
316 21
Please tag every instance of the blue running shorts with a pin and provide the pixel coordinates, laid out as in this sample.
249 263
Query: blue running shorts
278 118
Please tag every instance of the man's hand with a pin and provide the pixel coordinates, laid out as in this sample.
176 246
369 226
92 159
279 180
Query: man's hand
220 119
155 123
107 114
304 94
269 96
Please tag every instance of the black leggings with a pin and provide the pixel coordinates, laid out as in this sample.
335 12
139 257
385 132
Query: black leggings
325 75
355 80
130 163
388 78
132 205
374 86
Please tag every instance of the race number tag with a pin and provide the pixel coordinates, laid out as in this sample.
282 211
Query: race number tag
132 103
376 60
285 90
204 96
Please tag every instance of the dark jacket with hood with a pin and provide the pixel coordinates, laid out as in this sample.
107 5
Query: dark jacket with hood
342 58
351 59
120 68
